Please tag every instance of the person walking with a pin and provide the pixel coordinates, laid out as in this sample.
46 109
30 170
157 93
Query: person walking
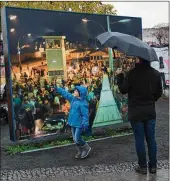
78 117
143 86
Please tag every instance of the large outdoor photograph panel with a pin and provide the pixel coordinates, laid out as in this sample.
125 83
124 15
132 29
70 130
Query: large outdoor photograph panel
47 48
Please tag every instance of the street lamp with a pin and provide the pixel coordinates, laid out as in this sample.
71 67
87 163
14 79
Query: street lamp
111 65
12 30
122 21
12 17
108 24
19 49
87 20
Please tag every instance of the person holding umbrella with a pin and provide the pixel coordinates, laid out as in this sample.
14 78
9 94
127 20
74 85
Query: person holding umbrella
143 86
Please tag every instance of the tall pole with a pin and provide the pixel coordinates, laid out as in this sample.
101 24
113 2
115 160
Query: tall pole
98 24
19 56
87 20
19 50
110 49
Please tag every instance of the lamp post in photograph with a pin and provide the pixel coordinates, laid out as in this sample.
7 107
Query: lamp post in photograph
19 50
85 20
111 65
13 18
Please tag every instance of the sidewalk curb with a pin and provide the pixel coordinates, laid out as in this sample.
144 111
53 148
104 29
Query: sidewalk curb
52 147
51 137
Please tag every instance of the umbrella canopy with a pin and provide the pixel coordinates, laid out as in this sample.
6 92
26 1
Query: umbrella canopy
128 44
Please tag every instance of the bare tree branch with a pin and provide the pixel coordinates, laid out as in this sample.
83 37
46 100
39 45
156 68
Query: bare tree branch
161 33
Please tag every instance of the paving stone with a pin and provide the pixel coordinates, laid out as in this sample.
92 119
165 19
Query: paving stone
120 168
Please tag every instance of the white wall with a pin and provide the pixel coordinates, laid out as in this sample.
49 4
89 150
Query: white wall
162 52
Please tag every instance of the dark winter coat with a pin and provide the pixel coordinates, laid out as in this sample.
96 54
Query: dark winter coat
144 87
92 111
25 118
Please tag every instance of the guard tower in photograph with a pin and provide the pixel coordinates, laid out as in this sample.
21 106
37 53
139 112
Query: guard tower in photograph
56 57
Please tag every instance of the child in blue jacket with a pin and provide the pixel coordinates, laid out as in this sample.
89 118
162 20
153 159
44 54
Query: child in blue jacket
78 117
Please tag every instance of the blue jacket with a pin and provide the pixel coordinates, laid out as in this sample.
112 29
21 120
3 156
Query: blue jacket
79 108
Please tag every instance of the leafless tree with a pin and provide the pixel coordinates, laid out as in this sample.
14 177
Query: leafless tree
161 33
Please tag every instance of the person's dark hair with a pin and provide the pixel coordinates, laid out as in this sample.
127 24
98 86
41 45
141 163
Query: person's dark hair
160 58
142 61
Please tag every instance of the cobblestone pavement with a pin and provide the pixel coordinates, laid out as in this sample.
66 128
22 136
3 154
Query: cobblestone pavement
119 171
162 175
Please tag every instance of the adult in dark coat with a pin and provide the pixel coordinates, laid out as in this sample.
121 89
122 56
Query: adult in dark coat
92 111
25 119
143 86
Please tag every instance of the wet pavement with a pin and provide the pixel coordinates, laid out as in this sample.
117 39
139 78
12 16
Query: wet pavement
111 159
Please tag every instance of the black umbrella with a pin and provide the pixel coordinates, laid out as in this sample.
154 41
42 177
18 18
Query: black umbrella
128 44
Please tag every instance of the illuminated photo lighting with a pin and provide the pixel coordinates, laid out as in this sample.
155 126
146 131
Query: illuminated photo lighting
12 30
12 17
85 20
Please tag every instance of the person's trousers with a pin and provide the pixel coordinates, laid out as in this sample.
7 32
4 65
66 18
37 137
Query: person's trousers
77 136
141 131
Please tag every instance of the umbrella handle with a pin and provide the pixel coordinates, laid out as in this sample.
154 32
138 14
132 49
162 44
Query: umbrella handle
114 53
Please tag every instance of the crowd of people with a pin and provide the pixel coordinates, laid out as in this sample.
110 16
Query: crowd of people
34 97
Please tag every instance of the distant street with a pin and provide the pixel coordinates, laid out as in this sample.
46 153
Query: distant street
27 67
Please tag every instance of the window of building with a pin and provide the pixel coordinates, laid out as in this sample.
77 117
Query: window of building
53 44
57 44
49 44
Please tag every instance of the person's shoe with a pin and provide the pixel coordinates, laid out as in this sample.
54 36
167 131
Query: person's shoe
152 170
141 170
85 151
79 149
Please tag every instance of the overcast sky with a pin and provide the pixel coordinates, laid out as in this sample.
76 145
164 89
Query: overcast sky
152 13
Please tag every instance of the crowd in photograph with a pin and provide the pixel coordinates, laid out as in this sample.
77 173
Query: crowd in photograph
34 97
35 100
